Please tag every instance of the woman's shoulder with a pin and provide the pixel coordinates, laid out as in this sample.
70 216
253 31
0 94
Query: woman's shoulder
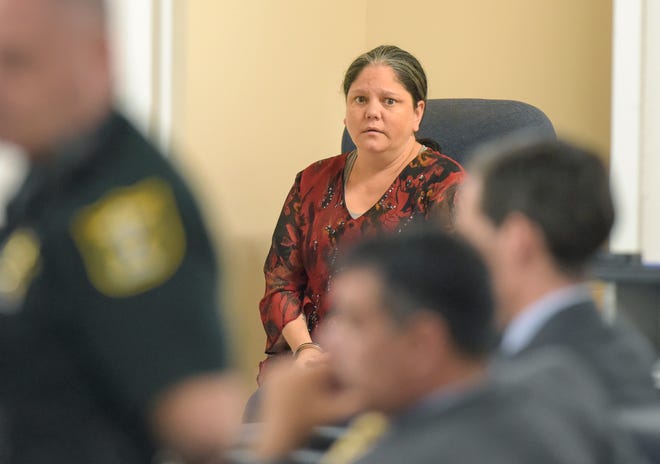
434 160
324 168
333 162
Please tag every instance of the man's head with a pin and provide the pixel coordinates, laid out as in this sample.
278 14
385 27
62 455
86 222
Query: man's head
412 313
54 71
538 211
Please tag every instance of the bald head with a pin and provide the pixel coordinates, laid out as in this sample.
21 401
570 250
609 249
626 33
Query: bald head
54 71
97 6
93 9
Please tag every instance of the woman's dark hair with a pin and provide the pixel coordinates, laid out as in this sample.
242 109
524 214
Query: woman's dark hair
430 143
407 68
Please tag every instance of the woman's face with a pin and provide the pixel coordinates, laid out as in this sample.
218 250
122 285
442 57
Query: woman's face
380 116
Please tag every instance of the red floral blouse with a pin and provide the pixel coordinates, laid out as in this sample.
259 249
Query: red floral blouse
315 226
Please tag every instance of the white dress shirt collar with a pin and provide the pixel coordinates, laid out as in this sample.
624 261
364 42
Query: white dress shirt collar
528 323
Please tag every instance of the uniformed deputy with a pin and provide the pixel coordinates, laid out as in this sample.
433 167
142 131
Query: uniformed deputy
110 343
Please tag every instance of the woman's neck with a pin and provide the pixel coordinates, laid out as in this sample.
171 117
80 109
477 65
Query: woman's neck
373 174
369 163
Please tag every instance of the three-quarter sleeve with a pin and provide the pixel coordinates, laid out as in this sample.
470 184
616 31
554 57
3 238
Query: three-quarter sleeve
284 270
445 180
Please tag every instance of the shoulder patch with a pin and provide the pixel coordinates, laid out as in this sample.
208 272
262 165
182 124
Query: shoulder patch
20 261
132 239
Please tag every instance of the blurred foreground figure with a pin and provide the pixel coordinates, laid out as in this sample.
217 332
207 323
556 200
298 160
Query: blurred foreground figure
409 337
110 343
538 211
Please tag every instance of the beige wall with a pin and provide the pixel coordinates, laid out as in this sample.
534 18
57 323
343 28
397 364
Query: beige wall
554 54
258 99
258 96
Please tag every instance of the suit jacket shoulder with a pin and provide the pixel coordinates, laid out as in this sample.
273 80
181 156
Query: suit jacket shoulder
617 355
520 416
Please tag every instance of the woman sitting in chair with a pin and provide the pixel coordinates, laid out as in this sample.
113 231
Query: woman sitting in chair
389 181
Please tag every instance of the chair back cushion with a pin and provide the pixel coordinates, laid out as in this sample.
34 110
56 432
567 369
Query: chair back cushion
461 124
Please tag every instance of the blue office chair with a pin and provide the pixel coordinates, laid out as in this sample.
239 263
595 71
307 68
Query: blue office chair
461 124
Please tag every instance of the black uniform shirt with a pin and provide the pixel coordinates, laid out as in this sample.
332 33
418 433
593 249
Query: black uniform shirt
107 297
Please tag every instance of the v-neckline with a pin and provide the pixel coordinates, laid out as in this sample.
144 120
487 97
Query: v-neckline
383 196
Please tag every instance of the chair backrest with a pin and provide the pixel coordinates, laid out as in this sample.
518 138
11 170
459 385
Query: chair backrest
461 124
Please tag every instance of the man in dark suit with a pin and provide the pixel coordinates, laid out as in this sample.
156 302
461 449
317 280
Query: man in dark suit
538 211
410 337
541 410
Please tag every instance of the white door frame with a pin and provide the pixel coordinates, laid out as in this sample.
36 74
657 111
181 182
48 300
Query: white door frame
635 155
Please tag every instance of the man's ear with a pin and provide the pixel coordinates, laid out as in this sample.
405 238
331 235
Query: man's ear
521 238
429 339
